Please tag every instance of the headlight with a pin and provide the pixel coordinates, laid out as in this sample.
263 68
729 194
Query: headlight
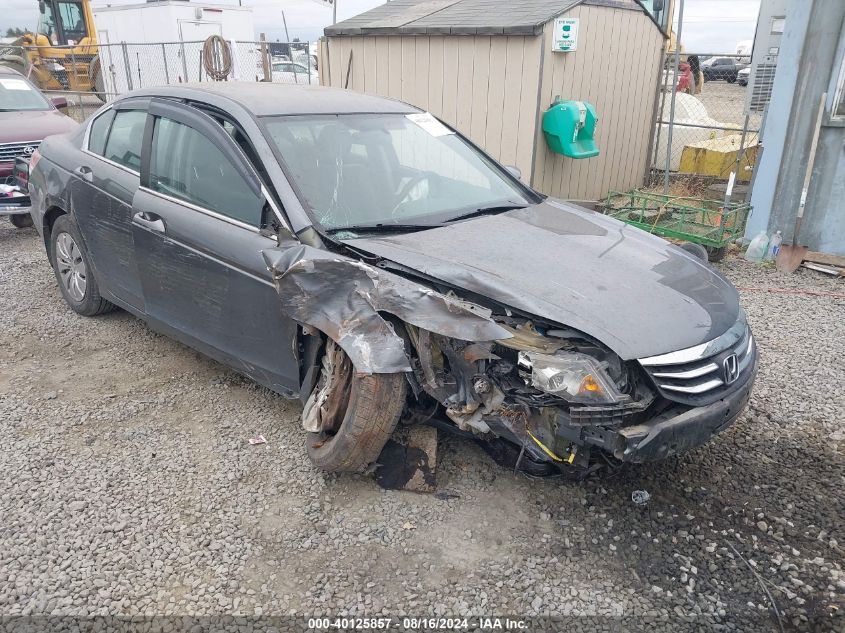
573 376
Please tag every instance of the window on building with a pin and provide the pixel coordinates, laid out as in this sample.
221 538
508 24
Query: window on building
658 10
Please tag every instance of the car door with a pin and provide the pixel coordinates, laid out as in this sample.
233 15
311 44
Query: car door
197 227
102 189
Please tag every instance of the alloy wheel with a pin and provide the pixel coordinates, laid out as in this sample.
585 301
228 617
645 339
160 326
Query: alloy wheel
71 266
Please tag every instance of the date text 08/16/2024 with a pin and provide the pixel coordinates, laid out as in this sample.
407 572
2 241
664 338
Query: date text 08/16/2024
414 624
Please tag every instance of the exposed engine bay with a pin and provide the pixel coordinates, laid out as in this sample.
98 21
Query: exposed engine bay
554 391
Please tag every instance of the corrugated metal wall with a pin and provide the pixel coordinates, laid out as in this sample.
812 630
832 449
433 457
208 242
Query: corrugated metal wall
488 87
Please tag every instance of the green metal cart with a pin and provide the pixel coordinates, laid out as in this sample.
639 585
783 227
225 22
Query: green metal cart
711 223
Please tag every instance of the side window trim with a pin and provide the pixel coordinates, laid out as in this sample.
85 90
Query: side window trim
257 166
208 127
86 142
141 148
201 209
131 103
153 119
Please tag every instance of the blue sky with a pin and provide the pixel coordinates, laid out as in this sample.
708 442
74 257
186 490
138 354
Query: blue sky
710 26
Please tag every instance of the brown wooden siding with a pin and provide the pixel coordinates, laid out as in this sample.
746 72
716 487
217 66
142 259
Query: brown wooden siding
488 88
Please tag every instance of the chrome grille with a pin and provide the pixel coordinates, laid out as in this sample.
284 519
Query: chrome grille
11 151
704 373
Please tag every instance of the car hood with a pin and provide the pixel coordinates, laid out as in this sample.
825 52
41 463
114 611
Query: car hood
33 125
638 294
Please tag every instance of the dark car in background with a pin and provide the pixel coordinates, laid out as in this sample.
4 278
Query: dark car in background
26 118
360 255
722 68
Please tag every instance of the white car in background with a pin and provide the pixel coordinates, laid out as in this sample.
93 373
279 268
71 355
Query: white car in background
293 73
692 124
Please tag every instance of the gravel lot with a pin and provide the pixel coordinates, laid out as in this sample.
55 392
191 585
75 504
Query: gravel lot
130 488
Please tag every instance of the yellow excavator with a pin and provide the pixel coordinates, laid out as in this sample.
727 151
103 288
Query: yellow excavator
62 54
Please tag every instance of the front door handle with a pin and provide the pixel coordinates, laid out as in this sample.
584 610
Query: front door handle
85 173
149 221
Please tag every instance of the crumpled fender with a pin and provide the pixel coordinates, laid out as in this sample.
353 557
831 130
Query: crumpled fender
342 297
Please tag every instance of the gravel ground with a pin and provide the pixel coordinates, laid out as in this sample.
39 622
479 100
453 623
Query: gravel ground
130 488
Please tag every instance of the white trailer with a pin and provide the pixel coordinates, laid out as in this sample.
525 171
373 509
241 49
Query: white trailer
160 42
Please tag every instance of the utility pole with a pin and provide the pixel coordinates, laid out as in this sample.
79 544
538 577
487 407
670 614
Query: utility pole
674 95
334 11
285 22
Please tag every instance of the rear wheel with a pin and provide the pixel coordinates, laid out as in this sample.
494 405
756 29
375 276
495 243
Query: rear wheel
73 271
21 221
349 416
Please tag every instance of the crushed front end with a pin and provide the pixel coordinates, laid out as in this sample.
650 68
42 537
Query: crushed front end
553 393
562 397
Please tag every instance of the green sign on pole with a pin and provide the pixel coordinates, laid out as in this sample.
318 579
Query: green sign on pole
566 35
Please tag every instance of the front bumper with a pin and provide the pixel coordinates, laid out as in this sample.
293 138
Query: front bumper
9 174
15 209
680 429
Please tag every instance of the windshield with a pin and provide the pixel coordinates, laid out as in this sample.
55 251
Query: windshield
18 94
379 169
71 18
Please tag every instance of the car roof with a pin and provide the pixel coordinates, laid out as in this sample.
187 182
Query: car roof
266 99
5 70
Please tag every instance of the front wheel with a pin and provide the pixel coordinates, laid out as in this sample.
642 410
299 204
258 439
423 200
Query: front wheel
350 416
73 270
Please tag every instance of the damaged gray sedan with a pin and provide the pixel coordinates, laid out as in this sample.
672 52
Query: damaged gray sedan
360 255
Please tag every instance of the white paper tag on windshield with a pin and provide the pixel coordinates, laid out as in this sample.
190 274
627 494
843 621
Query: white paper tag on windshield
427 122
14 84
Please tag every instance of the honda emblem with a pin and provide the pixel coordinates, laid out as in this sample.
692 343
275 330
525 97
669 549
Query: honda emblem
731 368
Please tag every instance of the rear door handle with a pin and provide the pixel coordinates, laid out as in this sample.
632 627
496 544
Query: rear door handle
85 173
149 221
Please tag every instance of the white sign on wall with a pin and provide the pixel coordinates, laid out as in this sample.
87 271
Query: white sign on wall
566 35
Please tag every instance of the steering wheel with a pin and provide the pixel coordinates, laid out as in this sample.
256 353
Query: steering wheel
406 189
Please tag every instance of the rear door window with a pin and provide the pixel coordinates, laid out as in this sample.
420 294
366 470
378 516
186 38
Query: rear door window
99 131
126 137
185 164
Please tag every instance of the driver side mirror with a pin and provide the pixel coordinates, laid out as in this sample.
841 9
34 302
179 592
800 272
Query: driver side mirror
514 171
60 103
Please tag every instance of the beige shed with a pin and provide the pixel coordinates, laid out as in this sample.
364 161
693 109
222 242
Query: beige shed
489 68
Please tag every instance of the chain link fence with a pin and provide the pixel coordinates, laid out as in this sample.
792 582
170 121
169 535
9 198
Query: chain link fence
704 125
86 77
